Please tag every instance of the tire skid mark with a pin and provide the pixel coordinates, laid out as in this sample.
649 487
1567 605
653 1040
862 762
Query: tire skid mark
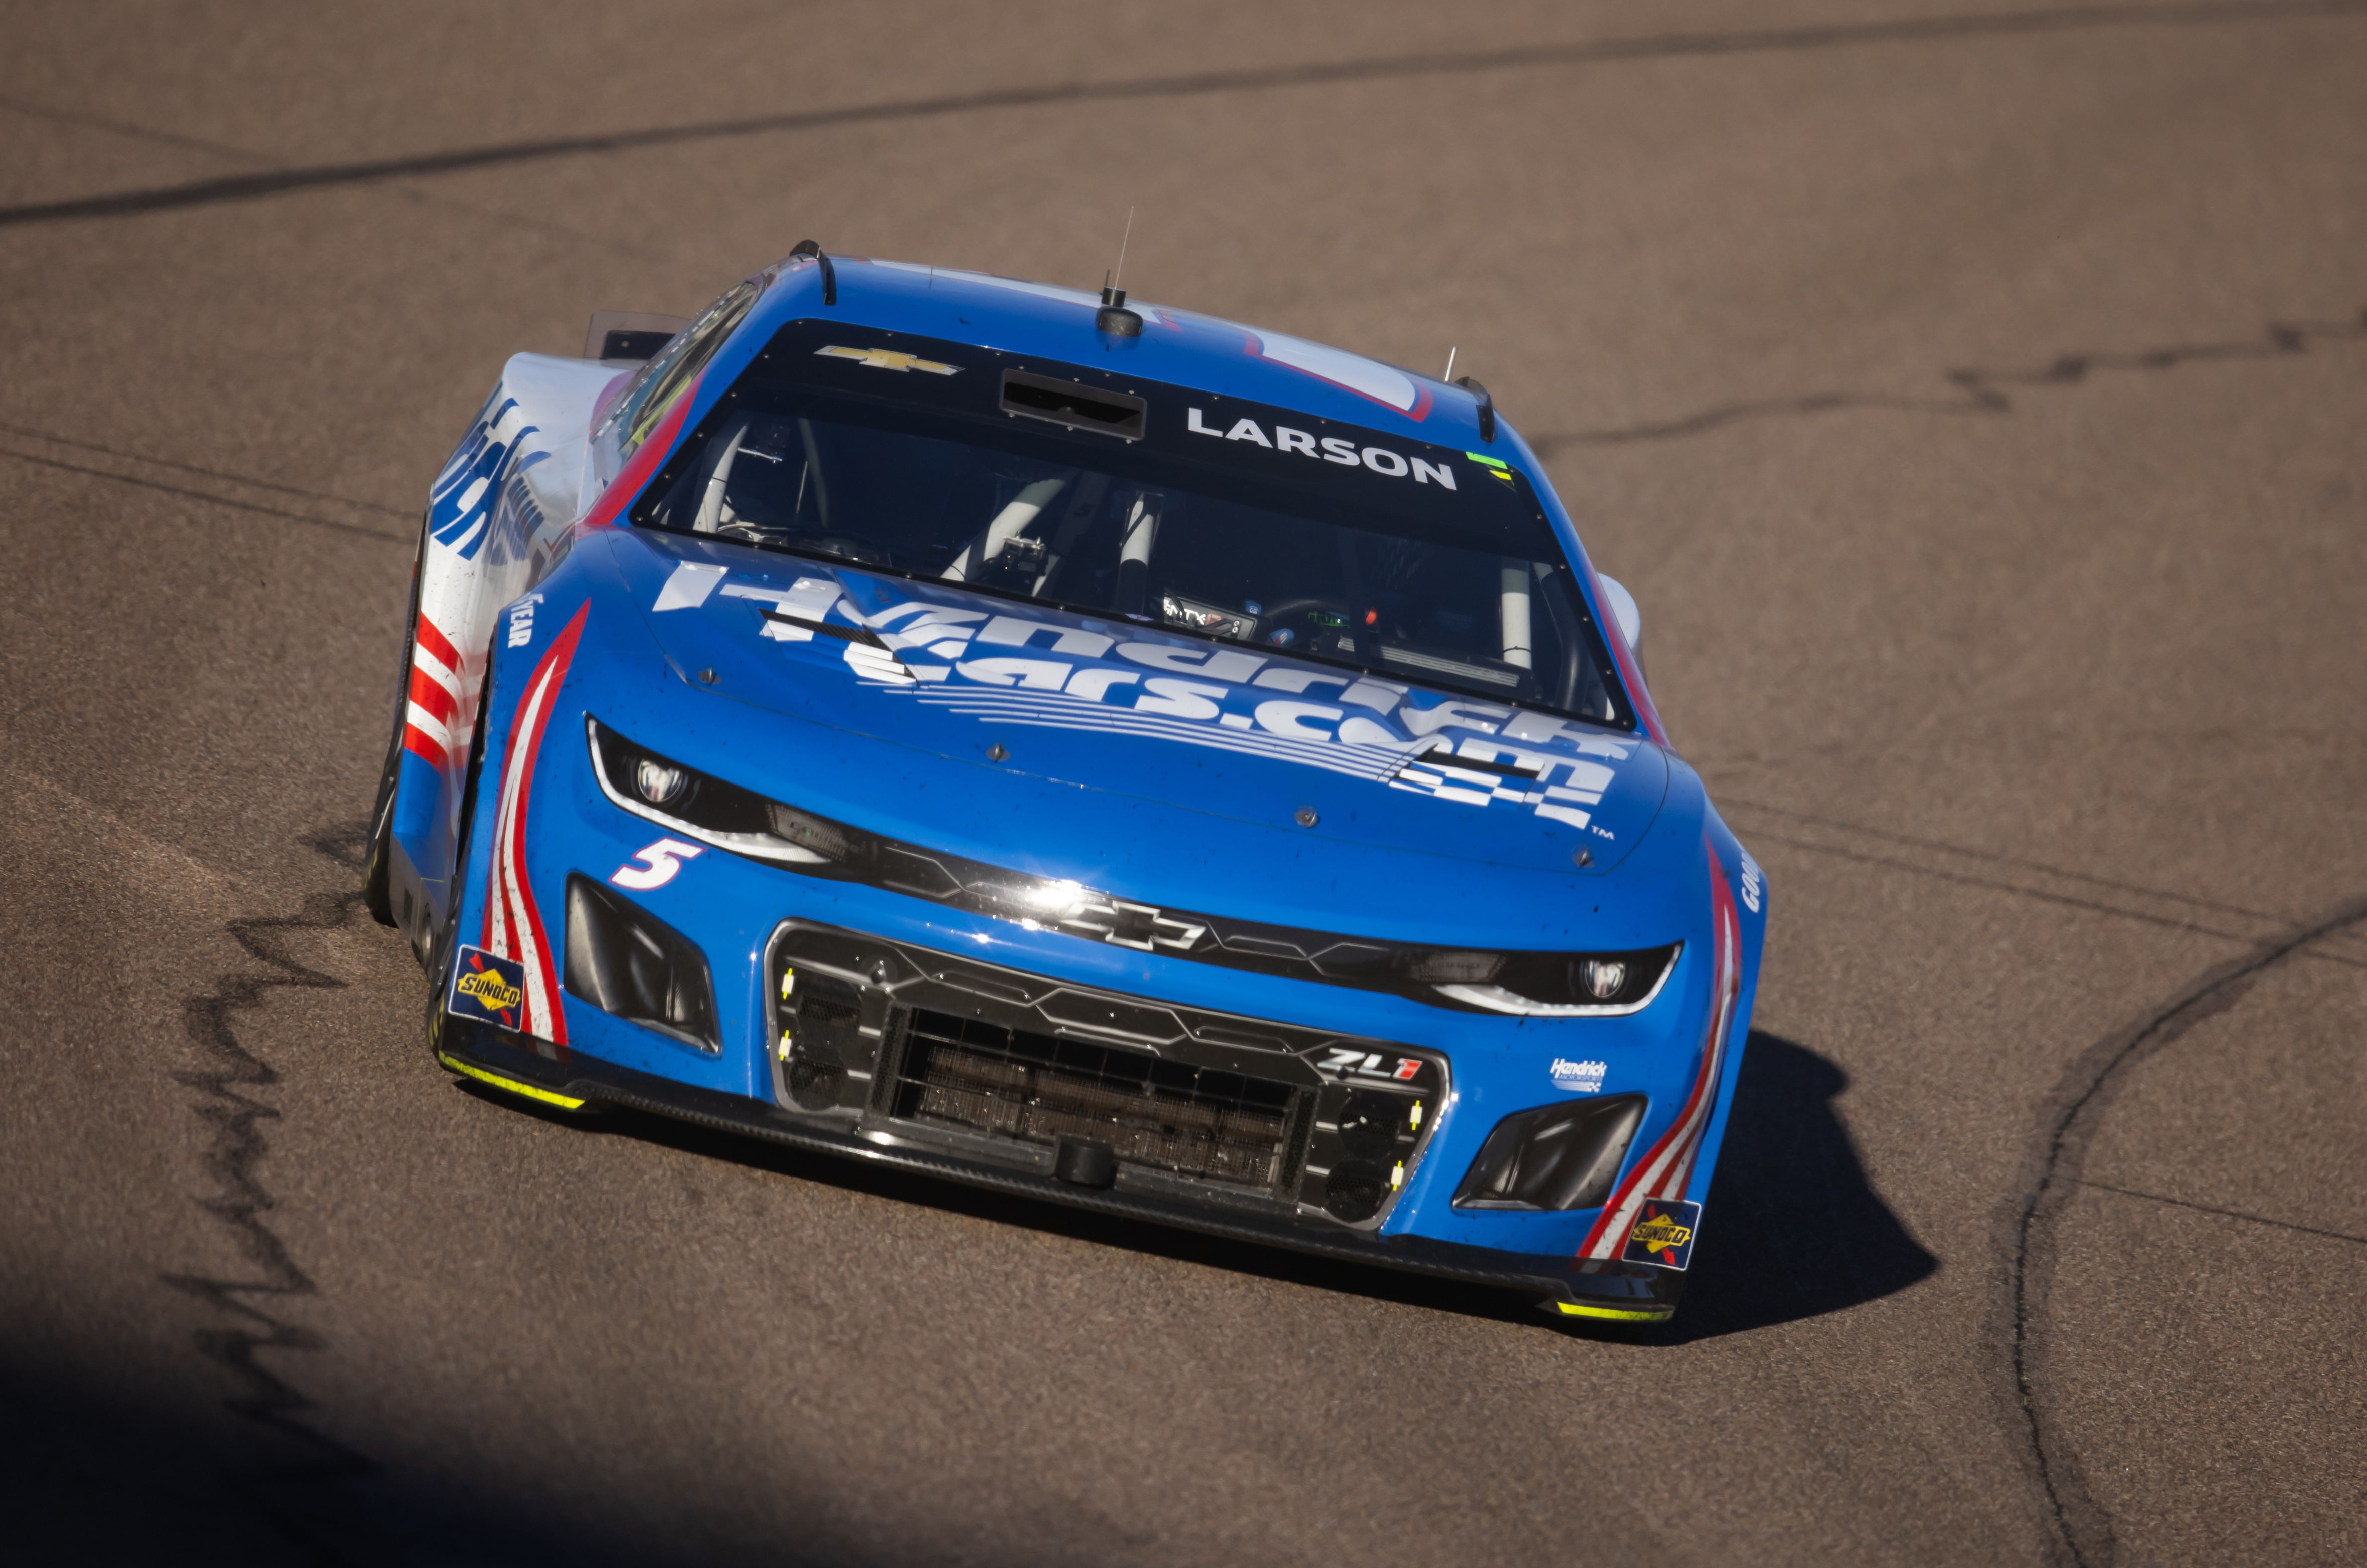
241 1203
1988 392
2023 862
2225 1213
1314 74
244 481
1993 884
187 494
2086 1093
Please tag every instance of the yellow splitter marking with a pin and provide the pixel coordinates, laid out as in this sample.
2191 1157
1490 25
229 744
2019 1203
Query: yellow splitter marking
547 1097
1571 1309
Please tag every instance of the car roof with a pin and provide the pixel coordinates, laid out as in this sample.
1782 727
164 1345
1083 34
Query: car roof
1177 347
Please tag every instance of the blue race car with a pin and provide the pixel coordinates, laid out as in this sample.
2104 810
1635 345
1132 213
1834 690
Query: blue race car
1098 752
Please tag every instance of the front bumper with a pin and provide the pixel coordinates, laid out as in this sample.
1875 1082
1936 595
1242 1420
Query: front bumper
1612 1292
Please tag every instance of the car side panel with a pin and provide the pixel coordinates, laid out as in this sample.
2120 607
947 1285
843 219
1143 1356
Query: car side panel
500 517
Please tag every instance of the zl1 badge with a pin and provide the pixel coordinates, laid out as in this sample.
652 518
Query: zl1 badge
487 987
1663 1234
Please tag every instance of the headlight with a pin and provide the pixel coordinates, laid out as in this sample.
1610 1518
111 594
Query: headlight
1549 985
660 783
710 810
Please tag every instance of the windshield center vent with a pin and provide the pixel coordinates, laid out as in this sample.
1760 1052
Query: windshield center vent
1078 407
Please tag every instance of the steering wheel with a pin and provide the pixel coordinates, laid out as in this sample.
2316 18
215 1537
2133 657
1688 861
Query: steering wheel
1287 615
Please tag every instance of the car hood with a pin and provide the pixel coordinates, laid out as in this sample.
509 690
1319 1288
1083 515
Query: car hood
1113 706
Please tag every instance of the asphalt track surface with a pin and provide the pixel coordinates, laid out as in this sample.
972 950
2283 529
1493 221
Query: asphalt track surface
1972 397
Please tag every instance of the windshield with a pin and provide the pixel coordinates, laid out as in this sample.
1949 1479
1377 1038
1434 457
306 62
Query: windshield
1223 519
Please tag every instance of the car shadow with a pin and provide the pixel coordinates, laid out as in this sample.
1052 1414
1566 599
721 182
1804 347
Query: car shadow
1793 1229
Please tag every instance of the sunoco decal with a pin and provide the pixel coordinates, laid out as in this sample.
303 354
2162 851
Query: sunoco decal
487 986
1663 1234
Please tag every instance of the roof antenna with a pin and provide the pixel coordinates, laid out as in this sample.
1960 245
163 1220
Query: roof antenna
1113 318
1450 367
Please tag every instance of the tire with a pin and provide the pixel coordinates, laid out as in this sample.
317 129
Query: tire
377 871
475 770
445 945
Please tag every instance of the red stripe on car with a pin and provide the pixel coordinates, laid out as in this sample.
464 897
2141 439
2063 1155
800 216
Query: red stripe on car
427 634
420 744
1667 1166
433 697
512 926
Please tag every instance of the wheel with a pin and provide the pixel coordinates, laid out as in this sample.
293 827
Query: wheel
443 941
377 871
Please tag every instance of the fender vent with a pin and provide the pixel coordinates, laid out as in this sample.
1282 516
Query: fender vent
626 961
1554 1159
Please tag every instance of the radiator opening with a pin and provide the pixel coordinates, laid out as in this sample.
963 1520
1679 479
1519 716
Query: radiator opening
1201 1123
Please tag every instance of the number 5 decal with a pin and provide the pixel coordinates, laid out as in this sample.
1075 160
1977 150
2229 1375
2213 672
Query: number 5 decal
659 863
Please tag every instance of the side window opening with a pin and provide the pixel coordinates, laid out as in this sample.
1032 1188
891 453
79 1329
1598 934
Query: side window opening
663 379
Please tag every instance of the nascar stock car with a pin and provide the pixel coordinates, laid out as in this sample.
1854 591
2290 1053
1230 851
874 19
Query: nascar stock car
1098 752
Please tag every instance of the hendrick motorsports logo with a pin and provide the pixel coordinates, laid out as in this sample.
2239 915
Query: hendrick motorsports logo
1581 1078
1663 1234
487 987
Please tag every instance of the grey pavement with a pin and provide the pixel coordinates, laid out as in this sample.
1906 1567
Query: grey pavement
1972 397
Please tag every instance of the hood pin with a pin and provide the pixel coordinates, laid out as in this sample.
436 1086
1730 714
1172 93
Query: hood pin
995 753
1584 857
707 676
1305 816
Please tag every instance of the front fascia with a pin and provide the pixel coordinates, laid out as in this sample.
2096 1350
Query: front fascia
731 906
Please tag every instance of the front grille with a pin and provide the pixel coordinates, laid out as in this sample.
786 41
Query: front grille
1088 1087
1199 1122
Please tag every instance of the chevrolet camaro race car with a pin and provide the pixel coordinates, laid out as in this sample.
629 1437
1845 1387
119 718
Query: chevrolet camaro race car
1098 752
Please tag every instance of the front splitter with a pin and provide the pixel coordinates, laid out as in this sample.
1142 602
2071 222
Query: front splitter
1563 1286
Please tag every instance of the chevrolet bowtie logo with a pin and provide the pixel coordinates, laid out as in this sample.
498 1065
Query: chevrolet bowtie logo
889 359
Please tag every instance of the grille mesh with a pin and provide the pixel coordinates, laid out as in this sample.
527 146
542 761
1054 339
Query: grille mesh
1212 1125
